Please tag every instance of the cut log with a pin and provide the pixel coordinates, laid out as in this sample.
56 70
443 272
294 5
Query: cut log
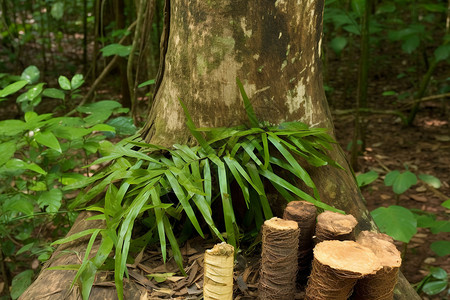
334 226
337 265
218 272
278 259
304 213
55 284
379 286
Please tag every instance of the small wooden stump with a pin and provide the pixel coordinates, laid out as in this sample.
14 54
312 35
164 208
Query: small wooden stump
304 213
337 265
334 226
379 286
278 259
218 272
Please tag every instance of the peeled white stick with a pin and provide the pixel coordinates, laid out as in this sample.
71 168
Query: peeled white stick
218 272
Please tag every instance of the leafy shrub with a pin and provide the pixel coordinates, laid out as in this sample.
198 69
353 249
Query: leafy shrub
39 156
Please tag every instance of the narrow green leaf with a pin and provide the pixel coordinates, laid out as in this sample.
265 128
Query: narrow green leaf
174 245
238 178
148 82
207 183
197 135
228 211
178 190
266 149
248 106
253 172
74 236
159 213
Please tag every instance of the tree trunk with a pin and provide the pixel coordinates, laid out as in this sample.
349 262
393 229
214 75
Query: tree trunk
273 47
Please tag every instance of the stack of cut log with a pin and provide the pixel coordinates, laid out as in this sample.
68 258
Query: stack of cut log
324 256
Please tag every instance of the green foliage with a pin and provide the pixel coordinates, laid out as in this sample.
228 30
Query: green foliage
396 221
40 155
183 185
434 283
366 178
400 181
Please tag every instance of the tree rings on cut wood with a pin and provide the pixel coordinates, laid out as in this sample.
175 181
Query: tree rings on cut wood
304 213
218 272
379 286
278 259
336 267
334 226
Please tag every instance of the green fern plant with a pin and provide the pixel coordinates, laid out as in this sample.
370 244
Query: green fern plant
137 182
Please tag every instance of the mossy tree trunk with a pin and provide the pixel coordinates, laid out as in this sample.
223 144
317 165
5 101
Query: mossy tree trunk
273 47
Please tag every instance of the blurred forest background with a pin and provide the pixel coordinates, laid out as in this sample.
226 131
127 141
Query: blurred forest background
386 69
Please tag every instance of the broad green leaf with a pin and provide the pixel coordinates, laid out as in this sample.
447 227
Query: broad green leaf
434 287
116 49
12 88
20 164
442 52
18 203
20 283
104 105
31 74
123 125
430 180
391 177
52 199
439 8
57 10
148 82
7 150
338 44
64 83
77 81
440 226
53 93
400 182
366 178
446 204
441 248
396 221
358 6
438 273
410 44
35 91
388 7
48 139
